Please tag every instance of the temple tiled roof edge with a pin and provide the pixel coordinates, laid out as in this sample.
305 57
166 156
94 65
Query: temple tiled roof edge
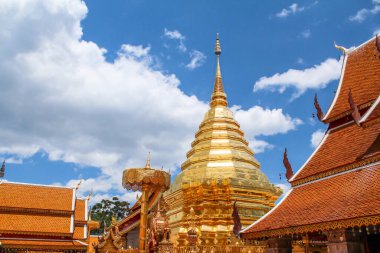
19 195
356 63
326 159
338 205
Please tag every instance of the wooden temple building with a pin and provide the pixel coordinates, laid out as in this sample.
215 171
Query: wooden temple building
220 170
334 202
42 218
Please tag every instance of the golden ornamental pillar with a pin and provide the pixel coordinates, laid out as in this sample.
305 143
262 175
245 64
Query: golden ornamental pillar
143 217
145 180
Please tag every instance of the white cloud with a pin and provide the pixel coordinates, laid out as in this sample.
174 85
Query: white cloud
284 187
376 32
259 121
292 9
197 59
316 77
134 51
306 34
259 146
317 137
12 160
362 14
61 96
176 35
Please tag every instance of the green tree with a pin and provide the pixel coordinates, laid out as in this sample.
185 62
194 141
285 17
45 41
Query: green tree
106 209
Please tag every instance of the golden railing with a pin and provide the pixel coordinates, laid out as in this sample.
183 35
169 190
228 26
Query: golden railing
213 249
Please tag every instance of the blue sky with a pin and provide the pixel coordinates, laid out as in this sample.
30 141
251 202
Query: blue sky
88 88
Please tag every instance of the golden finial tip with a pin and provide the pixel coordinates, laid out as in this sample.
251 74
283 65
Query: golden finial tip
148 161
218 50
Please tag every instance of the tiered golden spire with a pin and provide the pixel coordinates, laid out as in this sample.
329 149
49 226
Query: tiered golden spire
218 96
220 168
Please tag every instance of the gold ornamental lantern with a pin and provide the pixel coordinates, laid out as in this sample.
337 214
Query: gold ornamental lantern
145 180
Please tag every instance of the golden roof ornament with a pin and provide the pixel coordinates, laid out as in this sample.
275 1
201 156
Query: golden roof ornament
90 195
147 166
218 96
341 48
79 183
113 220
146 180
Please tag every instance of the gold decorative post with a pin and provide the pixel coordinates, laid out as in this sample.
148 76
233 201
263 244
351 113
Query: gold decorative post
145 180
143 218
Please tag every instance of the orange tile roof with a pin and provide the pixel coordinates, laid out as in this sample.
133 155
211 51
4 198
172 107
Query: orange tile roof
46 244
36 197
79 232
34 224
354 194
362 76
344 145
80 210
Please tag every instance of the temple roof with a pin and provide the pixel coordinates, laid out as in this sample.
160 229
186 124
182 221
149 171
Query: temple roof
29 196
41 210
324 204
339 181
17 223
80 219
341 147
80 210
361 74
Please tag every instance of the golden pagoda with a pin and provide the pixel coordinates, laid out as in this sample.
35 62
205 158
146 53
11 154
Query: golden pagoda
220 170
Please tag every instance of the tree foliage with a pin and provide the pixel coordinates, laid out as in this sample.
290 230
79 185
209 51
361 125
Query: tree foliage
104 210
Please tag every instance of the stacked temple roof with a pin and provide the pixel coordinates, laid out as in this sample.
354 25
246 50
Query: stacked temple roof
41 217
338 186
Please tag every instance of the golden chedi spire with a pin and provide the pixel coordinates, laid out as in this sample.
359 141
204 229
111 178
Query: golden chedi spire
218 96
220 169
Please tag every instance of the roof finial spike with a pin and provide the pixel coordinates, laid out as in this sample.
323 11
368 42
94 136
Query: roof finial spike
147 166
288 166
90 195
218 96
218 50
343 49
78 184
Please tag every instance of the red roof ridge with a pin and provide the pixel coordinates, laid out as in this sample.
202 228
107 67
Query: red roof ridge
361 45
370 110
338 174
338 90
265 226
311 156
327 117
292 179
